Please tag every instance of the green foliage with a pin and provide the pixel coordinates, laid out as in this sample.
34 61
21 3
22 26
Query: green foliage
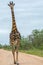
25 44
33 40
0 46
37 38
7 47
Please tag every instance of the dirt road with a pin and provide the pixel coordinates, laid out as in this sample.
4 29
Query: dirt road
6 58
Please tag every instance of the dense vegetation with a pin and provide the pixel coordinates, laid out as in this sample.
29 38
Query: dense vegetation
33 44
34 40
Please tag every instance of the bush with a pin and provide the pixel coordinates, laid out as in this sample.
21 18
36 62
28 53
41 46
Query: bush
0 46
8 47
25 44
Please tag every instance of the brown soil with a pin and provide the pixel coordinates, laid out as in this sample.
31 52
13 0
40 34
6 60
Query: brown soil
6 58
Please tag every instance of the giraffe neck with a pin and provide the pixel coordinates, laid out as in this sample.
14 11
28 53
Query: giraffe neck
14 28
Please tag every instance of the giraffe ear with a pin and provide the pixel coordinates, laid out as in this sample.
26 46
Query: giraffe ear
8 5
13 3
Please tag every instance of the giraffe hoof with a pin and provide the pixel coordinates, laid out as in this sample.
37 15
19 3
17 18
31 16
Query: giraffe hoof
17 63
14 62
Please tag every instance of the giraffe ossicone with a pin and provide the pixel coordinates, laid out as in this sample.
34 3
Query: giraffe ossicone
11 3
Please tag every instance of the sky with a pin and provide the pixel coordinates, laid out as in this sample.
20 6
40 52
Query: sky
28 16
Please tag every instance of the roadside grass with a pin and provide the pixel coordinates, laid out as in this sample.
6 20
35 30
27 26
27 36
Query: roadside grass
33 52
5 47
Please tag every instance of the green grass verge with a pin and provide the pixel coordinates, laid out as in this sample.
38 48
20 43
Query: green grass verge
33 52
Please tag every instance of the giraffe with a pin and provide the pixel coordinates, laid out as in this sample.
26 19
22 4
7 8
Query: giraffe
14 35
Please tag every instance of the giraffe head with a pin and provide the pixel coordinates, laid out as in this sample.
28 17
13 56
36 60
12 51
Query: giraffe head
11 4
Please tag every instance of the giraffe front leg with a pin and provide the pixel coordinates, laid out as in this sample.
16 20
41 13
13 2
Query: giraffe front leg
13 52
17 57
